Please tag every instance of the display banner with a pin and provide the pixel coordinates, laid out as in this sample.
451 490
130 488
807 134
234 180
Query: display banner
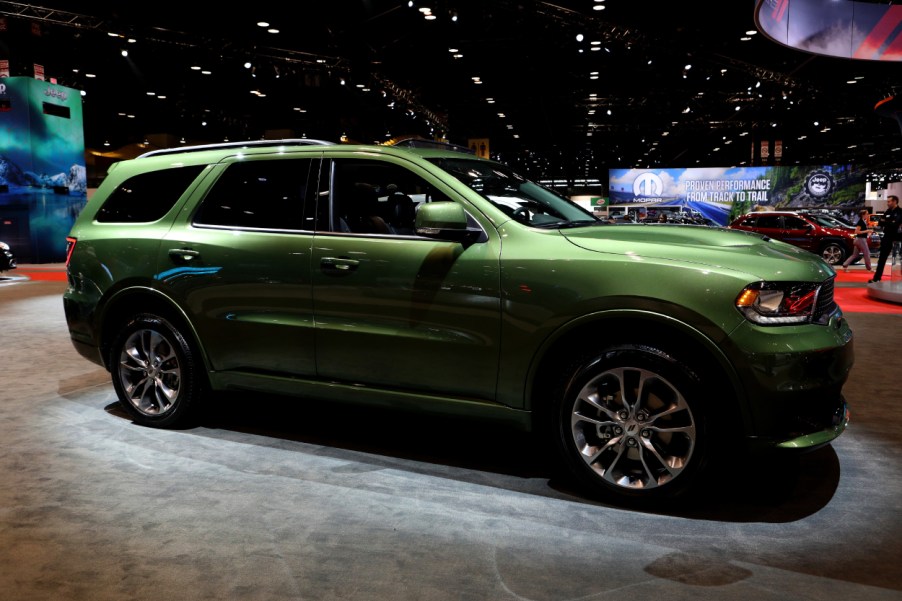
865 29
721 194
43 184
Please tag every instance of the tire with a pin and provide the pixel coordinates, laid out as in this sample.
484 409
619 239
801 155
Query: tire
155 373
630 425
833 253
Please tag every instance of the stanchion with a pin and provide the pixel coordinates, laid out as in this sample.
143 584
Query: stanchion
895 270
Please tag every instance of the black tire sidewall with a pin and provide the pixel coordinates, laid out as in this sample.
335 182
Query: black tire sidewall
650 358
183 406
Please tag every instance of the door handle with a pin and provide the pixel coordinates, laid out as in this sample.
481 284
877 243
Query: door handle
339 264
183 256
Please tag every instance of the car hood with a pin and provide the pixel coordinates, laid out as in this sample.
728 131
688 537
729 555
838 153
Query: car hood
717 247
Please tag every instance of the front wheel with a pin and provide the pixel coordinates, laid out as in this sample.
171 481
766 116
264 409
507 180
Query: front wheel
630 424
833 253
155 372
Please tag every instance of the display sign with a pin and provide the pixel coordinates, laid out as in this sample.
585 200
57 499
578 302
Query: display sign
866 30
480 146
43 183
721 194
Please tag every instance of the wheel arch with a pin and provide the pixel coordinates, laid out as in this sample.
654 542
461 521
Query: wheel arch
845 246
591 334
129 302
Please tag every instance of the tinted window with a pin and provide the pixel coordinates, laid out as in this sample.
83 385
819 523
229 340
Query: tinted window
795 223
770 221
147 197
266 194
370 196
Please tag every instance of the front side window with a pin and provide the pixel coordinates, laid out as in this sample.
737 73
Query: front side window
372 197
795 223
769 221
263 194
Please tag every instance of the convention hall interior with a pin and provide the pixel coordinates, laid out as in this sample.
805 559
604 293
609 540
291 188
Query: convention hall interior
271 500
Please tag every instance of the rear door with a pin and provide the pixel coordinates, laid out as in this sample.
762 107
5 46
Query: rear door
240 265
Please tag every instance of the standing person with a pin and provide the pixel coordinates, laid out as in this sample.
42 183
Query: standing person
891 223
862 231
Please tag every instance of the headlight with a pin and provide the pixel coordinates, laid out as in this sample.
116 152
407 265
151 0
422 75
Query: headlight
778 303
4 246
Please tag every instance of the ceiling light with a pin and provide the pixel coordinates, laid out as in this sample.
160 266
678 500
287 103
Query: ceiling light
579 37
124 53
262 24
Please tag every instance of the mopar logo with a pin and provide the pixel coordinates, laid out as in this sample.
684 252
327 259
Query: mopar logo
648 184
2 88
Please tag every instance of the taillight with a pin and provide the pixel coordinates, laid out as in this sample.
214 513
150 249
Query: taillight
70 246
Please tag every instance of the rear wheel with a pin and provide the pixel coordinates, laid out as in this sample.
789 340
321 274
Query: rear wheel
155 372
630 424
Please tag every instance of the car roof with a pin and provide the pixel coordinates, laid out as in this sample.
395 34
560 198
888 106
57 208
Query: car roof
213 153
420 147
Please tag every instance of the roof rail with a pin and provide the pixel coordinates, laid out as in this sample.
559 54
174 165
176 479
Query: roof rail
423 143
247 144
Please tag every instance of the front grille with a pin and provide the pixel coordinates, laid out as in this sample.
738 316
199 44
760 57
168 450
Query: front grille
825 304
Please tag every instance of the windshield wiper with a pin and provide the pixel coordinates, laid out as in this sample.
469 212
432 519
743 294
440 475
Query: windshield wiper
569 224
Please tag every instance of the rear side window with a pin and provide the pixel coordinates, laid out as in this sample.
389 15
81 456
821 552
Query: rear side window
147 197
263 194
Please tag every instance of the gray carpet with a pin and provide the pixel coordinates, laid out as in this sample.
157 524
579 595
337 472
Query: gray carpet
269 499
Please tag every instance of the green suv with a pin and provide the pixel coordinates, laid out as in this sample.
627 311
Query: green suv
433 280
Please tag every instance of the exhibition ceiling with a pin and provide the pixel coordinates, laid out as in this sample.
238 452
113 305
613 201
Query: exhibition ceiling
571 88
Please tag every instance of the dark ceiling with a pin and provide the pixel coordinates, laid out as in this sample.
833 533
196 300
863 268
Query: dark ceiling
400 79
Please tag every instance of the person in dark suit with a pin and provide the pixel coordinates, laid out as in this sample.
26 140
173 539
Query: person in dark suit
891 222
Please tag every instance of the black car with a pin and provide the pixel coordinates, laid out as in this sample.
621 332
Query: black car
7 258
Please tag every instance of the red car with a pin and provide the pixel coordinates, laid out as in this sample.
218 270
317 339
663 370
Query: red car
834 244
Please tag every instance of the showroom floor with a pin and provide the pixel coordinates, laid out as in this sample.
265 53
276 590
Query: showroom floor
270 501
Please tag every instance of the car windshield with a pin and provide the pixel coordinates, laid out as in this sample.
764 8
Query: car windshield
524 200
828 221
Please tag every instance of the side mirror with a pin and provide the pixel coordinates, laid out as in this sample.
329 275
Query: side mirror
443 221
